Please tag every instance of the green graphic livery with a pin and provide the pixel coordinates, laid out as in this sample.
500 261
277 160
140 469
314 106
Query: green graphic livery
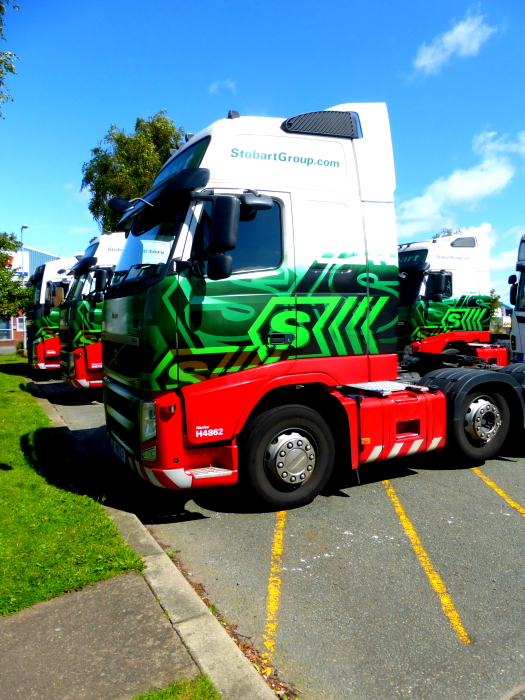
80 323
423 319
335 307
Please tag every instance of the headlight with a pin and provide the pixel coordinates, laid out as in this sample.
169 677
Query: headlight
148 421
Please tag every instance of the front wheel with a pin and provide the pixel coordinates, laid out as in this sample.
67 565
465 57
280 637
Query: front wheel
484 424
287 455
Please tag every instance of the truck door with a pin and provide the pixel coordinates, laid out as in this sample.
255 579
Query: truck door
225 326
343 291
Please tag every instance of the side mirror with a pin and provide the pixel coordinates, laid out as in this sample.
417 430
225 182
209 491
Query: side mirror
513 293
439 284
101 278
224 224
252 203
437 296
120 205
513 279
219 267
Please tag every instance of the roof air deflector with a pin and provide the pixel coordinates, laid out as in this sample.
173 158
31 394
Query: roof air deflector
344 125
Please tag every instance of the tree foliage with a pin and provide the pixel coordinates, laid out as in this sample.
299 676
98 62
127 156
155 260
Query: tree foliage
125 165
7 58
14 297
495 303
446 232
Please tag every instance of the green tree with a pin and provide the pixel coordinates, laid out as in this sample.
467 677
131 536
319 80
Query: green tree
14 297
495 303
125 165
7 59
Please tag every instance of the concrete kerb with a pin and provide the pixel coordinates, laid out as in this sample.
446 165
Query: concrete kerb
210 646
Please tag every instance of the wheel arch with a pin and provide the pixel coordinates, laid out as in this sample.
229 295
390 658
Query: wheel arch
461 346
316 396
456 383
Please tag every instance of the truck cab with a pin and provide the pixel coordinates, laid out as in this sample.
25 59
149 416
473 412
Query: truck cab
81 313
50 284
444 293
250 330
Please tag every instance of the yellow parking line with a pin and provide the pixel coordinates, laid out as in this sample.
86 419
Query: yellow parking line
435 579
499 491
274 587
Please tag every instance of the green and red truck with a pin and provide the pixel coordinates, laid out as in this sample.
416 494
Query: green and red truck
454 319
50 285
250 330
81 313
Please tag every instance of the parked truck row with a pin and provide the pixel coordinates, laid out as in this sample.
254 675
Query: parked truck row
261 324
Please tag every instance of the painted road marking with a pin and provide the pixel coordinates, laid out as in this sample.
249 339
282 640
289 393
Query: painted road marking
435 579
499 491
274 587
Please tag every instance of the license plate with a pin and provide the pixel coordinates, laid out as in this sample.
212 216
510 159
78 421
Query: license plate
120 451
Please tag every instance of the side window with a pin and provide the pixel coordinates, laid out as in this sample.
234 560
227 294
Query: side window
448 287
260 244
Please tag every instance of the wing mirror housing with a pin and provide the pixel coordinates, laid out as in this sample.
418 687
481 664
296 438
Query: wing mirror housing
513 279
101 278
513 293
437 296
224 225
439 284
220 267
120 205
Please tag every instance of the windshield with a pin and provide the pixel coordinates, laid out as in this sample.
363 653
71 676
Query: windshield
150 240
189 158
410 287
38 289
81 286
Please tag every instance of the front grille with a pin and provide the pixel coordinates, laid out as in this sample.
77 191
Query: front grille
63 334
123 360
64 360
123 417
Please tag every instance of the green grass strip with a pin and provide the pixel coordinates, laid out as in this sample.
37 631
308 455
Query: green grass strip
199 689
52 540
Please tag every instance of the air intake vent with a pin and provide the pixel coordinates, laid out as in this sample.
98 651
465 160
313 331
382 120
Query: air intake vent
341 124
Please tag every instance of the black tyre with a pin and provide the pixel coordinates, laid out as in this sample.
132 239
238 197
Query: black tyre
484 425
287 456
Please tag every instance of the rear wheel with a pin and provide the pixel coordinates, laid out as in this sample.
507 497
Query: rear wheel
287 455
484 424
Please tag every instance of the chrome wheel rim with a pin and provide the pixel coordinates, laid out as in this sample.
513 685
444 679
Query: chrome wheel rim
290 457
482 419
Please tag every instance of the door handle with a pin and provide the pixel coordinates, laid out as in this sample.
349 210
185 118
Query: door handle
281 338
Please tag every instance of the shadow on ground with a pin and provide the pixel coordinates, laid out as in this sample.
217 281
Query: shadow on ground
15 369
56 454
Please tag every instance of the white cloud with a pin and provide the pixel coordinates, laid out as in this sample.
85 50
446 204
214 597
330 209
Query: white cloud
484 230
216 87
506 260
501 285
464 39
434 209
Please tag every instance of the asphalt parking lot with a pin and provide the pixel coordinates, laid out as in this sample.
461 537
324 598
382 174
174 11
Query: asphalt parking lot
409 584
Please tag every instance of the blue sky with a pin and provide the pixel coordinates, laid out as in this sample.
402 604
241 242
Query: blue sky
451 73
